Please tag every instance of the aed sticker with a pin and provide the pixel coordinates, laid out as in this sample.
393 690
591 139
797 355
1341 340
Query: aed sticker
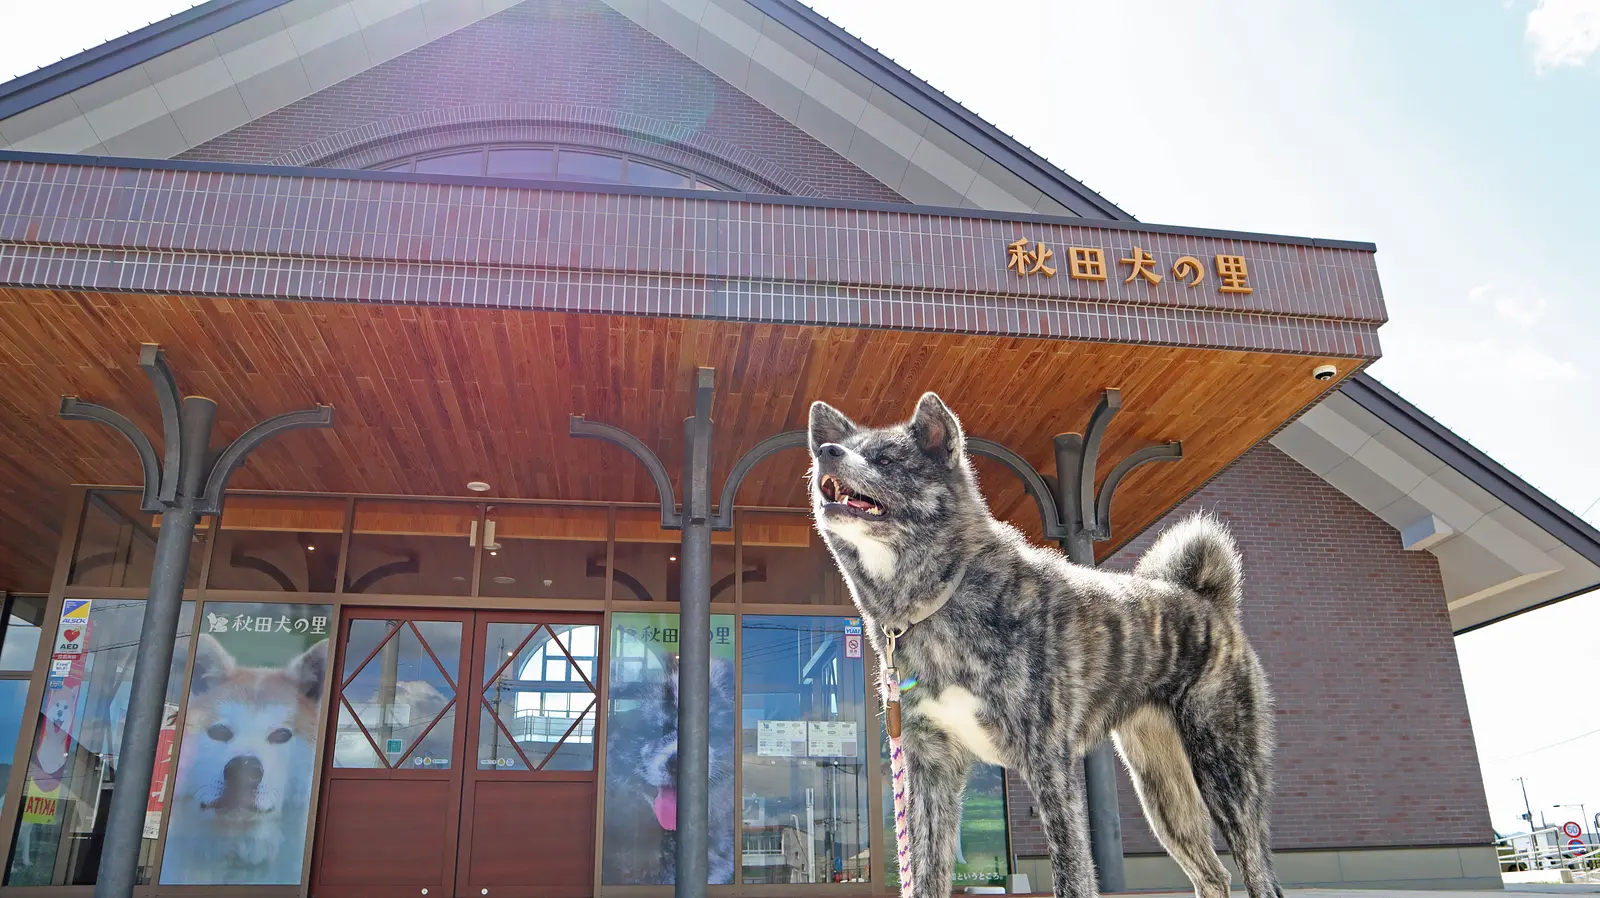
73 634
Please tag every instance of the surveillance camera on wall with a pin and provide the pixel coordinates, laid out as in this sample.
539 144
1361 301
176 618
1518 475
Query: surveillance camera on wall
1324 372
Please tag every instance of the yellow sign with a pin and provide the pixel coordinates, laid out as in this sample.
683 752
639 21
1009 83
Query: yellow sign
1088 263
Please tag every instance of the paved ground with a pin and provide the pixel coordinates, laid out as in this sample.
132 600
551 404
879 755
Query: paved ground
1534 887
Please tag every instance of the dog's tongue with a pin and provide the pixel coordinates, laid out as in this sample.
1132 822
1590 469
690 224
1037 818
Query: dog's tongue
862 504
666 808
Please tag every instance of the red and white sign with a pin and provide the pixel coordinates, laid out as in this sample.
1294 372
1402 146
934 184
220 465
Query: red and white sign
1575 847
852 645
1571 829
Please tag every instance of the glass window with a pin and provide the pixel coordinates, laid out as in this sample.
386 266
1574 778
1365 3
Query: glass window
13 696
529 162
647 175
271 544
786 563
646 560
641 812
117 543
538 708
576 165
468 163
411 548
250 734
545 551
398 703
72 768
805 759
981 854
24 622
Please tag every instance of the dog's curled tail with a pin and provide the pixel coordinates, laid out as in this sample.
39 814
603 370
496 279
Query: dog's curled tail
1198 554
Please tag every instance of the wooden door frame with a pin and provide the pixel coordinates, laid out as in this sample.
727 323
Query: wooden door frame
348 615
483 617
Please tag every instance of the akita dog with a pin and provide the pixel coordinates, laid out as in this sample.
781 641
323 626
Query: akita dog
1026 660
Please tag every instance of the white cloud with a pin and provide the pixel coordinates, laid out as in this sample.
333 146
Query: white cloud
1518 308
1564 32
1476 365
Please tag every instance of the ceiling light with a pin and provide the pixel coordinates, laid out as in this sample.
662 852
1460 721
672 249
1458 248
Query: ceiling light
672 558
478 486
504 580
311 548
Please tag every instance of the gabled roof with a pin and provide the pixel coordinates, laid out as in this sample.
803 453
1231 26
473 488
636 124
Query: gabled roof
1503 546
175 84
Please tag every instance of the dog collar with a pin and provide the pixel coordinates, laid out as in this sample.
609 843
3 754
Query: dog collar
943 598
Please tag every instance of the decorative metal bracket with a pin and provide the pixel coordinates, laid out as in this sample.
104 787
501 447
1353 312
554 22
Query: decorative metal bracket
789 439
1092 510
577 426
1032 481
163 476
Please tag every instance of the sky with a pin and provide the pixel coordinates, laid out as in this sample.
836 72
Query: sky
1457 135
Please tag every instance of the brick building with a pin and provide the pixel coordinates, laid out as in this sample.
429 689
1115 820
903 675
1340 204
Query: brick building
425 645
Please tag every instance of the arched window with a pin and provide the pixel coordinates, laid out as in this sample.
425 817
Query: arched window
551 163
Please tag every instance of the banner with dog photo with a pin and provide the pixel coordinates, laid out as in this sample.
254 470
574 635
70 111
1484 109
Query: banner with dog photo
641 822
246 761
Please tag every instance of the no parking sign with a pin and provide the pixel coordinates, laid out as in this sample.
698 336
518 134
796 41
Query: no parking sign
1576 848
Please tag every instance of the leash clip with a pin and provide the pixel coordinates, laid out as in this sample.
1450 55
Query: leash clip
891 701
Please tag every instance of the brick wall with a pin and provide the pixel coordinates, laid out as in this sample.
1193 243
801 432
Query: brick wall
577 52
1375 748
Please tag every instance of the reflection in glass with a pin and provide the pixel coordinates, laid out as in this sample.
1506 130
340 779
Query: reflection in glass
411 548
72 767
398 710
116 544
13 698
647 175
468 163
641 790
545 551
538 708
273 544
20 644
981 852
805 758
528 162
576 165
785 561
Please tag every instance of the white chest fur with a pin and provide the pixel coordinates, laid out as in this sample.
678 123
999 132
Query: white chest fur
955 710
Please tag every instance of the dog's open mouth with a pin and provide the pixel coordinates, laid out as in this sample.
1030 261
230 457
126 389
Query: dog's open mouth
835 494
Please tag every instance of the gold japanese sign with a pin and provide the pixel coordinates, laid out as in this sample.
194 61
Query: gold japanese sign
1088 263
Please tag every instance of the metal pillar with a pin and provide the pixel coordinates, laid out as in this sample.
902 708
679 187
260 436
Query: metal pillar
694 649
188 485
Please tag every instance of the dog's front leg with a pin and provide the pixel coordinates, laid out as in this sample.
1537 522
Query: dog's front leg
936 777
1057 783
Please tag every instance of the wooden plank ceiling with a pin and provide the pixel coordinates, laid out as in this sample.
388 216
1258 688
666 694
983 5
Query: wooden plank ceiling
428 399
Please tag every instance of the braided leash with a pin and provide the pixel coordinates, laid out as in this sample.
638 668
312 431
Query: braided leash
897 762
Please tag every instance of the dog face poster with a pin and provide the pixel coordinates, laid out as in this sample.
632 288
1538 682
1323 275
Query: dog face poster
641 822
246 760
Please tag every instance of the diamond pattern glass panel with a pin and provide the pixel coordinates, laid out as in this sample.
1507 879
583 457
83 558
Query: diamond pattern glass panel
540 699
401 691
350 745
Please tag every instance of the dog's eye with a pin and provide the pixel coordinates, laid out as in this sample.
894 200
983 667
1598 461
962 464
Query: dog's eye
882 460
279 736
220 732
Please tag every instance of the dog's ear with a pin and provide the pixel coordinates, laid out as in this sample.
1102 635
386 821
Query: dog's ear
309 669
212 664
936 431
828 425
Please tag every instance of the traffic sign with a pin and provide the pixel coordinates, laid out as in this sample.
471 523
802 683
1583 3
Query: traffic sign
1571 829
1576 847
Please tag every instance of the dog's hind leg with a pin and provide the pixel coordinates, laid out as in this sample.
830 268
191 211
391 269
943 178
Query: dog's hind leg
1056 779
1227 734
936 777
1149 744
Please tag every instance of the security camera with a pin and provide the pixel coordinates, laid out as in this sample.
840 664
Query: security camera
1324 372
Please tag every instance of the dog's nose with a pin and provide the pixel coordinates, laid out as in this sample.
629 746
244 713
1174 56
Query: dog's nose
832 450
244 770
